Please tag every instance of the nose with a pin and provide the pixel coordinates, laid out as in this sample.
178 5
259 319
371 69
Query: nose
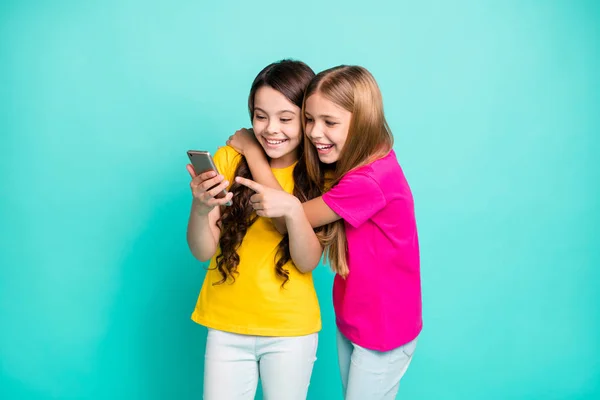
313 131
272 126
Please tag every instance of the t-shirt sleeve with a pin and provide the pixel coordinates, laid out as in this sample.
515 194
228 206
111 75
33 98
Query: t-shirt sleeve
356 198
226 160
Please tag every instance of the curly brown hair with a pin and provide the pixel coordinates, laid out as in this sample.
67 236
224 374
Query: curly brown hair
290 78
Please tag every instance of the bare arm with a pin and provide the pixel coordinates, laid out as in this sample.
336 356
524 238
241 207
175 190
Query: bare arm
244 142
261 172
318 212
202 231
260 168
305 248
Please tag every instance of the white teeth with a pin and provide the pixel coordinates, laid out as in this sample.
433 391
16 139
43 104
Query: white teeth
274 142
324 147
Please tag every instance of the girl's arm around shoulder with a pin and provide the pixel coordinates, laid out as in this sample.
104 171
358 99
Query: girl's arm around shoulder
245 143
318 213
305 248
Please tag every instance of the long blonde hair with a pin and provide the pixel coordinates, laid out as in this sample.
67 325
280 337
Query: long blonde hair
369 138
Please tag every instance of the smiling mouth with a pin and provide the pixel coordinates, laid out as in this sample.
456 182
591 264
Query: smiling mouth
274 142
323 148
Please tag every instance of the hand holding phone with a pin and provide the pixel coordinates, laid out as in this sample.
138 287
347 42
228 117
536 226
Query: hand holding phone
208 186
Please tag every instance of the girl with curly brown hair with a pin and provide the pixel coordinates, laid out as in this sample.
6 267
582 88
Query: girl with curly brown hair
258 298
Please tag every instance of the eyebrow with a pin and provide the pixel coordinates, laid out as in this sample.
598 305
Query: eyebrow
325 116
280 112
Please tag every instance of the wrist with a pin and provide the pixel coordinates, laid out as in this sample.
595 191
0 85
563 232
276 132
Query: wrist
295 209
200 209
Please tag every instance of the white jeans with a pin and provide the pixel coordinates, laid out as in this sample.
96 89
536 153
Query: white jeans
233 364
369 374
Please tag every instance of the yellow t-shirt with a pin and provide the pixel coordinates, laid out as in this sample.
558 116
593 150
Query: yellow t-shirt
256 304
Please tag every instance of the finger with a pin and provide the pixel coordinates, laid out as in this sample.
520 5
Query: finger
257 187
207 175
213 192
207 184
256 198
220 202
190 170
198 179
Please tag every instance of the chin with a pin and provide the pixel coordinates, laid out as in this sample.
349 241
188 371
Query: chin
327 159
278 153
273 154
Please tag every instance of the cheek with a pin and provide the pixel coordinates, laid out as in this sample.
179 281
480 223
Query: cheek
294 133
341 135
308 130
258 126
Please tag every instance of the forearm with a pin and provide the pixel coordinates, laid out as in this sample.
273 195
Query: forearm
261 173
261 169
317 214
200 235
305 248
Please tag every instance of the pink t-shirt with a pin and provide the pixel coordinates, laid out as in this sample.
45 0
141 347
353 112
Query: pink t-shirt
378 306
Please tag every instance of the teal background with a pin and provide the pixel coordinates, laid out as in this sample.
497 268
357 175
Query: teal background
495 107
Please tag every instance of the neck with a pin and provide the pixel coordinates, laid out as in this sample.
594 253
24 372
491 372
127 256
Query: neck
284 161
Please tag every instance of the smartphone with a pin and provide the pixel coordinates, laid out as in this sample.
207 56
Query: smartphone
203 162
